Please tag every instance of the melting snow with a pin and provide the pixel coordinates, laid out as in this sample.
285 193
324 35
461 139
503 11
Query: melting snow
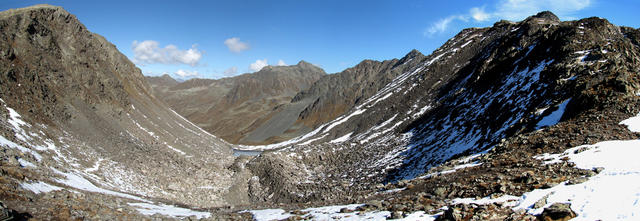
344 119
465 44
554 117
342 139
633 123
39 187
168 210
474 164
79 182
312 140
486 200
4 141
583 55
174 149
25 163
422 110
613 194
333 213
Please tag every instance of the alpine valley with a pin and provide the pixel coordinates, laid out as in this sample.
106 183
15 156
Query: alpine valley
530 120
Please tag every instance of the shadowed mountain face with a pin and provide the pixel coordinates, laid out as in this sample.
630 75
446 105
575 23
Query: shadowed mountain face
232 107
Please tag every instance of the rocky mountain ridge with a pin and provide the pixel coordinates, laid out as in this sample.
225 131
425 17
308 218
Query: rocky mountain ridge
491 126
231 107
78 115
514 86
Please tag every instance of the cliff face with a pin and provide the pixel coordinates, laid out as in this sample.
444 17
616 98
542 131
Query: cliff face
81 109
232 107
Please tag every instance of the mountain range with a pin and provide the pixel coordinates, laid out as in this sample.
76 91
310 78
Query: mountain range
519 121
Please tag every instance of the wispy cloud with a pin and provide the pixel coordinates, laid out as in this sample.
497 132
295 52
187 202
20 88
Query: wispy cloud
258 65
281 63
231 71
478 14
442 24
513 10
183 73
235 45
149 52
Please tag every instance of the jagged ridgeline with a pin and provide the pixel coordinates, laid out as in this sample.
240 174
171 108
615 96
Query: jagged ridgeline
83 135
484 86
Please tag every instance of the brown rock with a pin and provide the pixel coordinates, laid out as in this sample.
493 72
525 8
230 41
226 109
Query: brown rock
557 212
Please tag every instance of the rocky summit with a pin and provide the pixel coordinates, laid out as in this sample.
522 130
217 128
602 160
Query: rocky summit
529 120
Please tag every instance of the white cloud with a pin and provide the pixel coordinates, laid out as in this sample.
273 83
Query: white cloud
442 24
149 52
183 73
259 64
235 45
231 71
479 14
513 10
281 63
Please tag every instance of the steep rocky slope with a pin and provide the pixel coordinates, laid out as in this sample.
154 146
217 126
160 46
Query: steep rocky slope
232 107
76 114
330 97
517 88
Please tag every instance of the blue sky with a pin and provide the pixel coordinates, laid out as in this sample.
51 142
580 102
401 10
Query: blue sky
214 39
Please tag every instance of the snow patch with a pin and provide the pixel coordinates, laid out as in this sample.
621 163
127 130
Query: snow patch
174 149
78 182
342 139
422 110
633 123
554 117
24 163
168 210
612 194
486 200
39 187
312 140
4 141
344 119
333 213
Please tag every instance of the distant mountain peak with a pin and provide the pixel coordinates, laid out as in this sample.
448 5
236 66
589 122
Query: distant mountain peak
305 64
544 15
166 76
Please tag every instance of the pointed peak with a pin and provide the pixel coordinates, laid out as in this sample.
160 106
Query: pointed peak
303 62
414 53
545 15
